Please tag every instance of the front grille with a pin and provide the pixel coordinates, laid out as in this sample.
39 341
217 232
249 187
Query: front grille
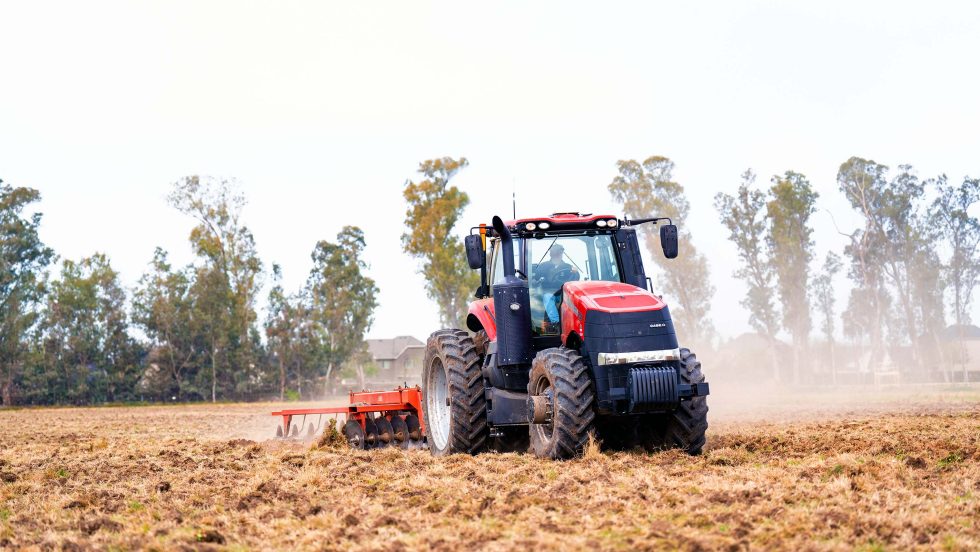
652 388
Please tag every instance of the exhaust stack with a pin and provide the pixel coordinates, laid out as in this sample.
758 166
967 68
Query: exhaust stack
512 307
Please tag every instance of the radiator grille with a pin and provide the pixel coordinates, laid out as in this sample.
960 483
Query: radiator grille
652 388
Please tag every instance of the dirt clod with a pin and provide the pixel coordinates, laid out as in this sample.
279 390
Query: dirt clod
91 525
210 536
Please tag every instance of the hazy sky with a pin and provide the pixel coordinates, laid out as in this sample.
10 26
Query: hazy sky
322 110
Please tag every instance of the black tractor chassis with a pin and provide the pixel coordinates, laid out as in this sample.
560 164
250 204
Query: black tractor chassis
623 389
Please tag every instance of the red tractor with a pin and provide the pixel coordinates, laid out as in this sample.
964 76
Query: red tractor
565 341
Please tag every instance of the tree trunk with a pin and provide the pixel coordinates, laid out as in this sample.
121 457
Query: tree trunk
6 391
360 375
214 373
833 361
966 356
282 379
773 358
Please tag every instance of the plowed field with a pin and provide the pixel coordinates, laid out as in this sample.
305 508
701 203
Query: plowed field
813 471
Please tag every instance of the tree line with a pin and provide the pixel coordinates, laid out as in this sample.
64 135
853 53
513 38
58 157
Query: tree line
71 333
913 262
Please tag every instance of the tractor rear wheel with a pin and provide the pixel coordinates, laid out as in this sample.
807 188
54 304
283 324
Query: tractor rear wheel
452 390
685 427
562 377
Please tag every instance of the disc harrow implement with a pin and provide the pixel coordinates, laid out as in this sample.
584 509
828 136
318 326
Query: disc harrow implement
372 419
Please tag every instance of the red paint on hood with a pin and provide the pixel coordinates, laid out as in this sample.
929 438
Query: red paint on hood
611 297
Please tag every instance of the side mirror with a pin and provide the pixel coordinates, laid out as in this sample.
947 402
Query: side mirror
668 240
475 255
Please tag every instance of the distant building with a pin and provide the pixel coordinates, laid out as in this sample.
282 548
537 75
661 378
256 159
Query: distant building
397 361
961 351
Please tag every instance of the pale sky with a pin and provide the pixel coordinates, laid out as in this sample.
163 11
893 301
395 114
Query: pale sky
322 110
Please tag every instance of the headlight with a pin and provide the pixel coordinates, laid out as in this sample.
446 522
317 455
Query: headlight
600 223
530 226
639 356
612 223
544 226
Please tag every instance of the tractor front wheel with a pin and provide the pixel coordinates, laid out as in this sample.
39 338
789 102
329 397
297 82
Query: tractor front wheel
452 390
684 428
560 382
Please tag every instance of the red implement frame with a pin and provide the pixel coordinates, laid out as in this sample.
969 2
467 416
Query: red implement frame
388 403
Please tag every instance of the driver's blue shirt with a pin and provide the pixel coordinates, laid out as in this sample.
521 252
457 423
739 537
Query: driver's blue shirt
545 274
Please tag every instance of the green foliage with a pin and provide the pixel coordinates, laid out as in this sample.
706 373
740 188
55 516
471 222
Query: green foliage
434 208
23 258
88 351
949 216
226 282
894 263
792 202
162 309
950 460
647 189
744 216
342 297
823 294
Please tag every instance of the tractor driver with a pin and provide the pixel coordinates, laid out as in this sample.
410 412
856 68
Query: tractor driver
550 276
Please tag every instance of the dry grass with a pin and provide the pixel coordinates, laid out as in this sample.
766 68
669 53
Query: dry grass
184 477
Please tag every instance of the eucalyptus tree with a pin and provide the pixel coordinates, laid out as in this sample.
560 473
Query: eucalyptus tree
792 201
23 260
648 189
434 209
744 216
950 213
342 297
226 282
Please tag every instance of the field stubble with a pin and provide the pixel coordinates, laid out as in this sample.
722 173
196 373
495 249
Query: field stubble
819 470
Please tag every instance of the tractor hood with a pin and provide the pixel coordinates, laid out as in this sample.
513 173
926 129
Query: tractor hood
611 297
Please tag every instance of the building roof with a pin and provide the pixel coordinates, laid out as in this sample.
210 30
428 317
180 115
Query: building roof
969 332
390 349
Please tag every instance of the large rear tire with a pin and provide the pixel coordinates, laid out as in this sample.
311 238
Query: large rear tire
452 391
561 375
685 427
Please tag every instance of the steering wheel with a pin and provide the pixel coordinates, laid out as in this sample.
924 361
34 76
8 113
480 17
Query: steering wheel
562 275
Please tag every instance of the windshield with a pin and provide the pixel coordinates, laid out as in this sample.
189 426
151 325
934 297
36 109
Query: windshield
554 260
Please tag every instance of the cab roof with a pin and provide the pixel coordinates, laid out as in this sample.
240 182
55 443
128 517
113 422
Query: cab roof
561 218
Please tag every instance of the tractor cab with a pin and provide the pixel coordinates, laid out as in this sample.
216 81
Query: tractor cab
550 252
549 260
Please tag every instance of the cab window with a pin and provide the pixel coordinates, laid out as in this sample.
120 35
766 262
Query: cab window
497 266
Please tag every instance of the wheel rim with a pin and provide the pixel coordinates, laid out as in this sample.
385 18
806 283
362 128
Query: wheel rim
542 387
436 397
